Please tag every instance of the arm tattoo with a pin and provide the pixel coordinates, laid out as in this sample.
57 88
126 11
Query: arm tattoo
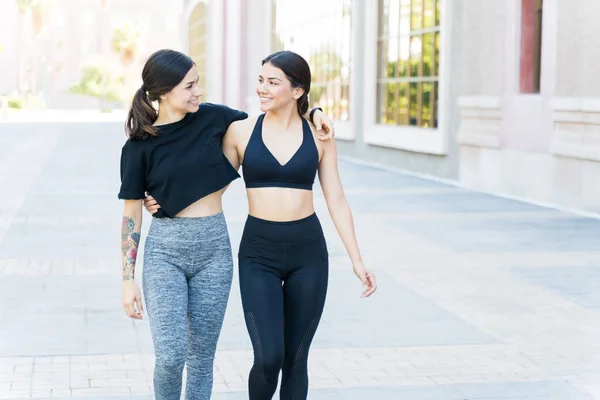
129 245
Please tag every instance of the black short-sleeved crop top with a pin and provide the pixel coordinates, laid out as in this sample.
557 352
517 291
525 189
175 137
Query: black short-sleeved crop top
181 165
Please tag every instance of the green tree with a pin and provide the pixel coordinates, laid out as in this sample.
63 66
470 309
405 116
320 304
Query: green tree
99 82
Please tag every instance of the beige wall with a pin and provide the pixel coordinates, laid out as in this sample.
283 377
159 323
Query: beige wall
484 25
543 147
578 43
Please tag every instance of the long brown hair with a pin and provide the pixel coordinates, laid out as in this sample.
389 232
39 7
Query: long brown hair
164 70
297 71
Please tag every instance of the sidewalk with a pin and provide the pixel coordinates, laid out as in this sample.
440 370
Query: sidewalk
479 297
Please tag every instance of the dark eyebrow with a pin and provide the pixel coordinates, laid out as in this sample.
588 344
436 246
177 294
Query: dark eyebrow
190 82
271 77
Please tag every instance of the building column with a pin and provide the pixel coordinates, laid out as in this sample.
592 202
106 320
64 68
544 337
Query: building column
256 47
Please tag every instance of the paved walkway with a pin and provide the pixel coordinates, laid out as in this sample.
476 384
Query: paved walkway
479 297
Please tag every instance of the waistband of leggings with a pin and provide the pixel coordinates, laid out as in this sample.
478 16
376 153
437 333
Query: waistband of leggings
193 228
311 217
303 230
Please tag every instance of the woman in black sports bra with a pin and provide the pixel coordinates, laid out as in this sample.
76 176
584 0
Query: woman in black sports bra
283 259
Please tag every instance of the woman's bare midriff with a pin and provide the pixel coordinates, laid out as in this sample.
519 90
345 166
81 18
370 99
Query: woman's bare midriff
206 206
280 204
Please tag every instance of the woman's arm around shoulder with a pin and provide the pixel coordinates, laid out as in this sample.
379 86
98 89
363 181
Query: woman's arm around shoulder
236 138
223 112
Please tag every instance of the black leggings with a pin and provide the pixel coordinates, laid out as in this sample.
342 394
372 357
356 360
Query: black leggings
283 281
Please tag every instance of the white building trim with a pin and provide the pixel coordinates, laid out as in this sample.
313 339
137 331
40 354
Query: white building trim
480 121
576 131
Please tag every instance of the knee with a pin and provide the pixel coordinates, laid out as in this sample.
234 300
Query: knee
170 364
202 364
272 364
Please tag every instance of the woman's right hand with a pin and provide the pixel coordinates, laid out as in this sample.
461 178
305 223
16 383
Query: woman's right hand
151 205
132 300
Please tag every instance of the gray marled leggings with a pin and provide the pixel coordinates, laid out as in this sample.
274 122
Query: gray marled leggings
186 279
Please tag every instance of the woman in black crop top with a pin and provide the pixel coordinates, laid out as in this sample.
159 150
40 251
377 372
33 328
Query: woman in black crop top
176 154
283 258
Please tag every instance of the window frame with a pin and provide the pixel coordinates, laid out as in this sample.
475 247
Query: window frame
405 137
400 40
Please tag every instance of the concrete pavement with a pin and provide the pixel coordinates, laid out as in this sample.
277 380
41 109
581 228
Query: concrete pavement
479 297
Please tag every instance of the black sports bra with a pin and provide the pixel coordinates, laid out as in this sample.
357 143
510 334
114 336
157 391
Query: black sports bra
261 168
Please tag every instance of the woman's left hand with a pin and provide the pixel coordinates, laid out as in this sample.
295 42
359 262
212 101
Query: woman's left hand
324 125
366 277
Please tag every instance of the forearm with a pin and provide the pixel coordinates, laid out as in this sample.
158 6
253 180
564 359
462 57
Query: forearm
130 240
344 223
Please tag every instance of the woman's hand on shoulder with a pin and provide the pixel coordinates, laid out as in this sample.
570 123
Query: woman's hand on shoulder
323 143
323 125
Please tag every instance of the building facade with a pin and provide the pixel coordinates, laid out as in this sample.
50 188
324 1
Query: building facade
499 95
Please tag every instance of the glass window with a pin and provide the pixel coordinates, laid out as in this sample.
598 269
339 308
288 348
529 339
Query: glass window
408 62
319 31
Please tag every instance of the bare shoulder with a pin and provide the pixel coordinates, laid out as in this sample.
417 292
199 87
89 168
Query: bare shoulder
321 144
243 127
240 131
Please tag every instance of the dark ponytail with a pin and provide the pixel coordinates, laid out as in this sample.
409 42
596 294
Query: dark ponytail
302 104
297 71
141 117
164 70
